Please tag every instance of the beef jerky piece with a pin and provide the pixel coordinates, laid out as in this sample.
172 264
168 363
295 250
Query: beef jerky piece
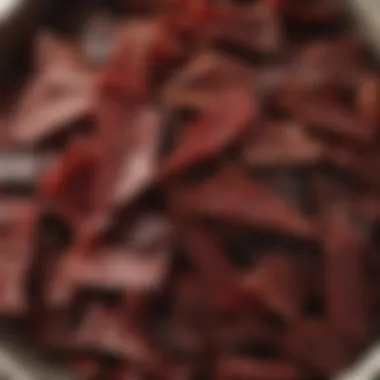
333 119
223 123
276 283
18 220
317 346
115 117
252 30
345 283
68 185
128 132
60 94
131 270
232 196
113 271
203 78
285 144
340 60
137 164
317 71
361 165
116 339
241 368
143 41
216 273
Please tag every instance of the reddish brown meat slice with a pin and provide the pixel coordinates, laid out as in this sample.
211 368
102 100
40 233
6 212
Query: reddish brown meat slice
17 228
232 196
232 114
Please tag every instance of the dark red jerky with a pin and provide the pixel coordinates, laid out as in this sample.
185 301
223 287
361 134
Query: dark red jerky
344 250
191 237
18 218
226 197
275 281
213 132
68 185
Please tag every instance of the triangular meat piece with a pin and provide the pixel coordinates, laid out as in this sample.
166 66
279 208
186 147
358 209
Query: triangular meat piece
226 120
60 94
202 79
285 144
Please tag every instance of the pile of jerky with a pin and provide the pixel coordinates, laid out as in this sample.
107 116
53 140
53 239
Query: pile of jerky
209 206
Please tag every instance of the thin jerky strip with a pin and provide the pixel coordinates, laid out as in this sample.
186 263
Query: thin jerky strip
18 221
345 285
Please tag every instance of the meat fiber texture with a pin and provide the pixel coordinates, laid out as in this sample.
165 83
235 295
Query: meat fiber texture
201 198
